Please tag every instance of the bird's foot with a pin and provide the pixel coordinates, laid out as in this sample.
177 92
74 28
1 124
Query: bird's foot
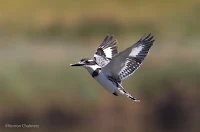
115 93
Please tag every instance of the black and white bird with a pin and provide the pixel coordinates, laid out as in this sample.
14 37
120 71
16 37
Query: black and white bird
109 67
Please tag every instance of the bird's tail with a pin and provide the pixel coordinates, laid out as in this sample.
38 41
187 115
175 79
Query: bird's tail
124 92
131 97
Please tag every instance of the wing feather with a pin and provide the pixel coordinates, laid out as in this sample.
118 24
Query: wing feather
128 61
106 51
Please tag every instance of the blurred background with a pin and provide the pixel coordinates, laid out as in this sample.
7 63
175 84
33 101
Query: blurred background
40 38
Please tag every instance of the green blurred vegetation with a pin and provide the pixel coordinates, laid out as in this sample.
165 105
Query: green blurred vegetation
39 39
85 18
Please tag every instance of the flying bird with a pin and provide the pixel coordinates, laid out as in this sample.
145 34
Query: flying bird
109 67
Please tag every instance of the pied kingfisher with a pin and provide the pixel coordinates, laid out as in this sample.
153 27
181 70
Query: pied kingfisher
109 67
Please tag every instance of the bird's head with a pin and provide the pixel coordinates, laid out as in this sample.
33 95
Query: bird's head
86 62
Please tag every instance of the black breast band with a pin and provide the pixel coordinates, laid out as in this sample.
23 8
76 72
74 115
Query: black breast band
96 72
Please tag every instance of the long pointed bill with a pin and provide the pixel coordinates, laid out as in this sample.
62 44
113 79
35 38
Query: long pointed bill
77 64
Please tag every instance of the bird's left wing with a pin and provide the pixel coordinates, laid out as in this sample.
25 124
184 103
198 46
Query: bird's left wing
128 61
106 51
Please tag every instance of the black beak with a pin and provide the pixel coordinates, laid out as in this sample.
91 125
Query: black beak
77 64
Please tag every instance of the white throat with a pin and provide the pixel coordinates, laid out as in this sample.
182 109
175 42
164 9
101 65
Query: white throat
91 68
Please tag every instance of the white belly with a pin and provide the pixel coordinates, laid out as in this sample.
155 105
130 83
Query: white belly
102 79
107 84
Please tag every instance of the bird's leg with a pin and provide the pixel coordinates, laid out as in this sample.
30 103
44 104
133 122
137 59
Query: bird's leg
115 93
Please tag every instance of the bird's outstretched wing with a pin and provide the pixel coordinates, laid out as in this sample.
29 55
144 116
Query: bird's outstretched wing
128 61
106 51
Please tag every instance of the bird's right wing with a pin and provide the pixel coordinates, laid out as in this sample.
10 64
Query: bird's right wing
106 51
128 61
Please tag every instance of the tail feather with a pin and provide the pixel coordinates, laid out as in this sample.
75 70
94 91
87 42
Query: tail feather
124 92
131 97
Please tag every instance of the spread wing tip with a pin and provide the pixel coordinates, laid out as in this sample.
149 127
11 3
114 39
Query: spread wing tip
147 38
108 38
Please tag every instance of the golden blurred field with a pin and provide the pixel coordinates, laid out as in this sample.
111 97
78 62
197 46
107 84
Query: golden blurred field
39 39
